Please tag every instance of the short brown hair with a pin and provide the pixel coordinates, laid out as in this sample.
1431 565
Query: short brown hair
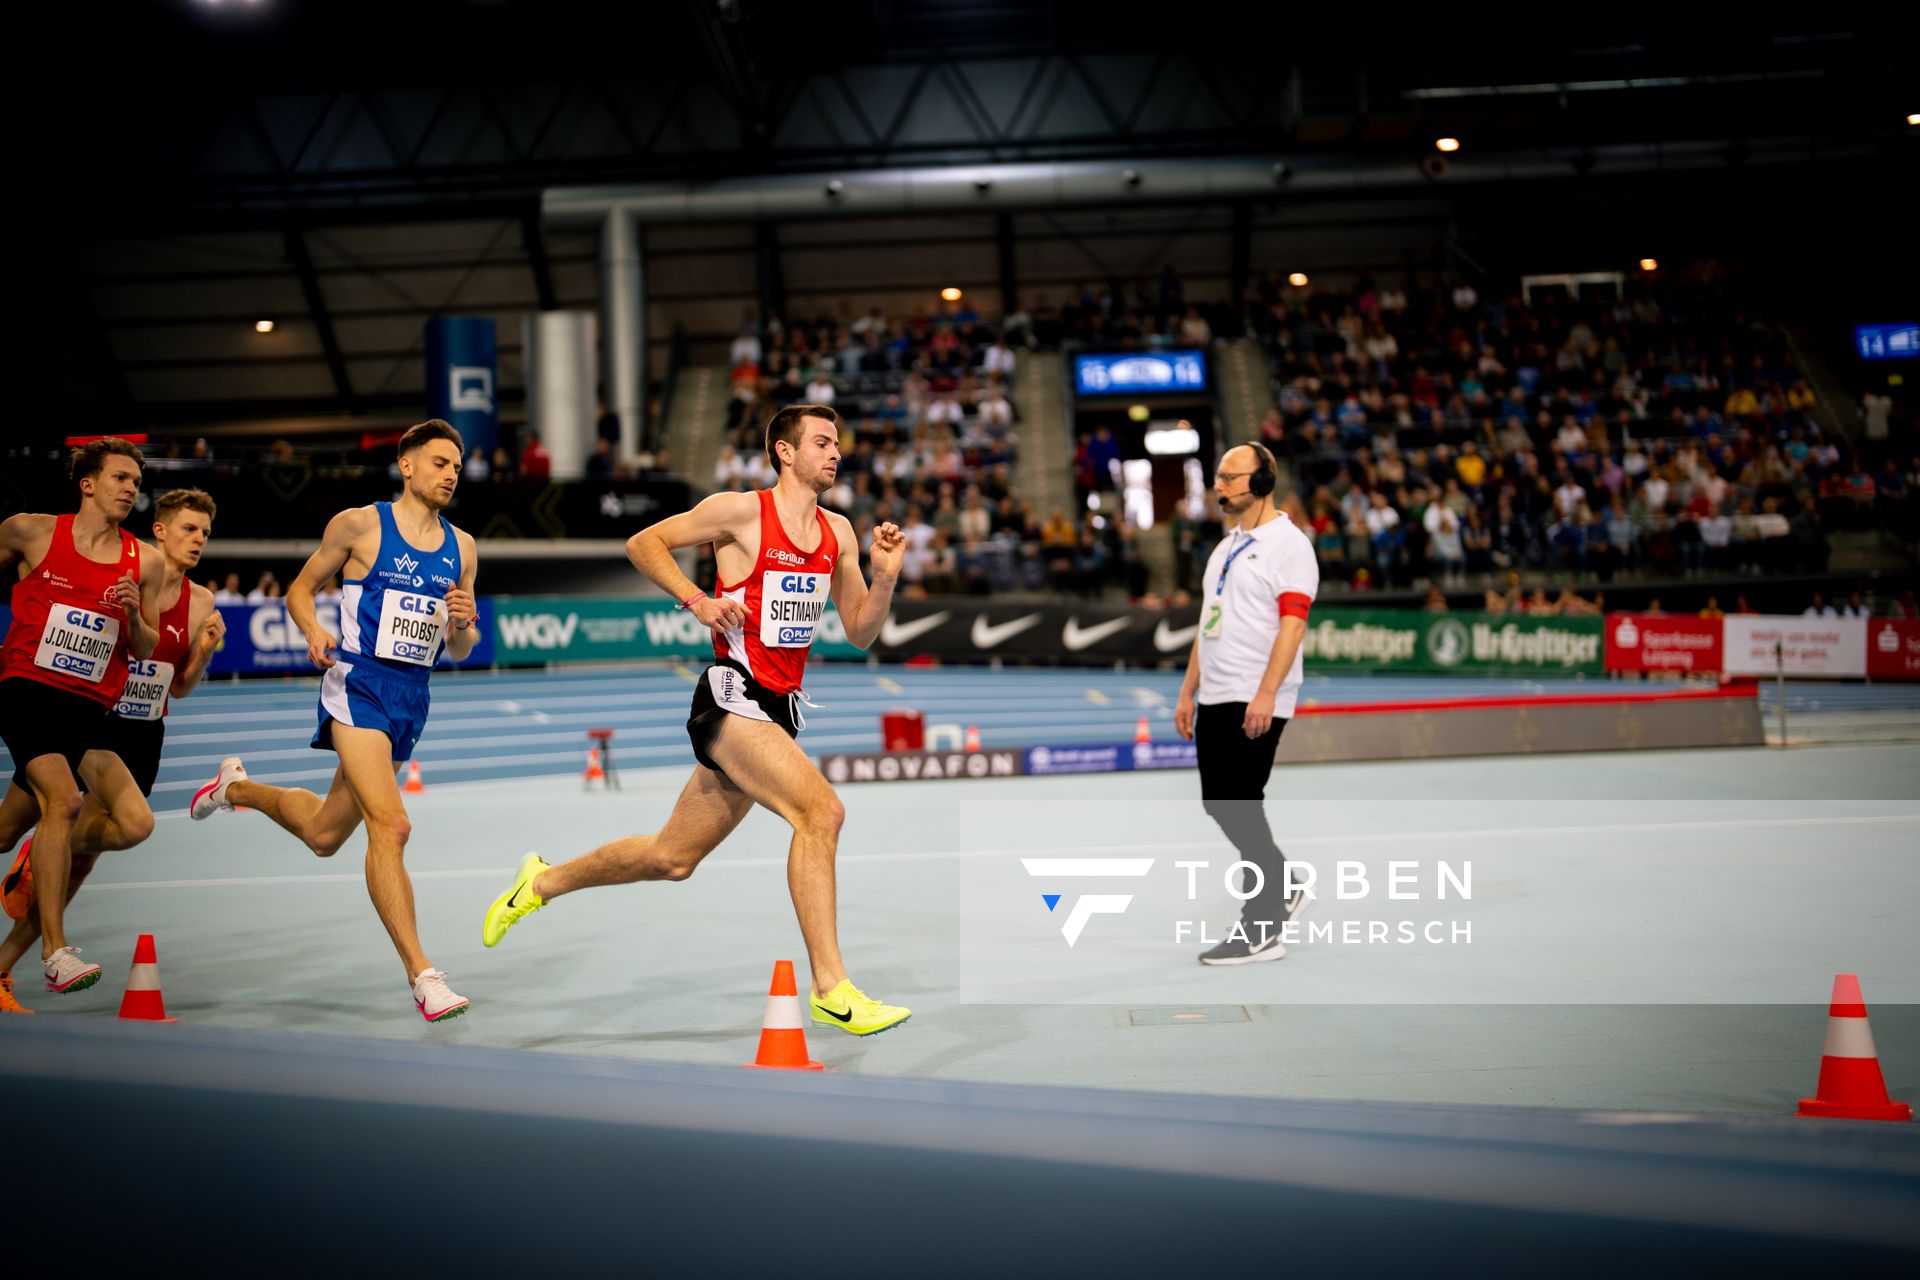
785 425
173 500
90 457
431 429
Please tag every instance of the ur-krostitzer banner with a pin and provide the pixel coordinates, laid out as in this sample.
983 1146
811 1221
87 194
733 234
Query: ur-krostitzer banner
1464 643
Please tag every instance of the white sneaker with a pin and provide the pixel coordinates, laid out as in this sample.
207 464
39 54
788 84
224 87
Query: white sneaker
213 797
66 971
434 998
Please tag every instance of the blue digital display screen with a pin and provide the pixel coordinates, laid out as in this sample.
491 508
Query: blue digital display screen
1887 341
1138 373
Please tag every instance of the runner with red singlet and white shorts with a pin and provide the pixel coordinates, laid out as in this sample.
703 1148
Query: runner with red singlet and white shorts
785 558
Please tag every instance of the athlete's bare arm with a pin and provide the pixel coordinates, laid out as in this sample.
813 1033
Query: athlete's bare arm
720 519
207 628
462 611
344 532
863 610
26 537
143 634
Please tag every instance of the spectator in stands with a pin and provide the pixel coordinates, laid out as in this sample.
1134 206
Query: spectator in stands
745 350
1445 546
1712 609
266 589
1436 601
599 464
998 359
1103 456
229 592
1384 536
328 594
1855 607
1819 608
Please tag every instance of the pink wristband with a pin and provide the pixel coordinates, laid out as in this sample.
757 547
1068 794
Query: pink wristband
688 602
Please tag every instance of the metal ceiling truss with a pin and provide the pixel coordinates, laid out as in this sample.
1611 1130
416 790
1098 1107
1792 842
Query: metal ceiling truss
359 148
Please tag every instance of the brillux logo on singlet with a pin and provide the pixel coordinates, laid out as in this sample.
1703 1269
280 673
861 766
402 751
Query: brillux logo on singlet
791 605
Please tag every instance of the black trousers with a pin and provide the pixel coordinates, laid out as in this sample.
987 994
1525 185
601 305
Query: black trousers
1233 786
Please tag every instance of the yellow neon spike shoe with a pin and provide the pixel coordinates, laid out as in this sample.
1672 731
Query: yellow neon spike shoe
517 903
855 1012
7 1003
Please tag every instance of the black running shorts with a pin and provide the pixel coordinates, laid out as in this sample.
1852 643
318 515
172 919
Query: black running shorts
39 720
725 689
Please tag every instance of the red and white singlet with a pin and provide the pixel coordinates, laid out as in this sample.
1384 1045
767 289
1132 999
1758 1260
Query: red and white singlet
69 630
785 595
148 679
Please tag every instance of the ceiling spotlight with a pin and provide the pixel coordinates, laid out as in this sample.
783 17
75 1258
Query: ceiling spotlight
1282 172
1130 176
1649 264
1913 117
263 326
1298 279
1446 144
950 294
834 188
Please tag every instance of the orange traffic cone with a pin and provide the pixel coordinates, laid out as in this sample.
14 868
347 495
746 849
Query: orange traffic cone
783 1039
413 785
1851 1086
1143 732
973 737
142 1002
594 772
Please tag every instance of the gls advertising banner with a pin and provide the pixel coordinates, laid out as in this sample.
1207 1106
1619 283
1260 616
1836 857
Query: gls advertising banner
261 639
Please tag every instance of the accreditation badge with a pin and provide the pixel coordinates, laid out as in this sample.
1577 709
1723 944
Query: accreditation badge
1211 621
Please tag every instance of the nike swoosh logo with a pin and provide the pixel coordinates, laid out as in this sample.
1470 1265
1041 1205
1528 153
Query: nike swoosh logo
986 635
843 1017
1076 637
1166 639
894 633
514 901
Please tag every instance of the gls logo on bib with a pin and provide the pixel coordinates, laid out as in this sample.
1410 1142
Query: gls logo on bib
791 605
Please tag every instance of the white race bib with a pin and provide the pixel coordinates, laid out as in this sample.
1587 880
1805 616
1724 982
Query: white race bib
411 627
790 606
145 697
77 642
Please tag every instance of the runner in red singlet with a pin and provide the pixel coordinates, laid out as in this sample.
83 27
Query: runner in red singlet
190 631
63 666
780 559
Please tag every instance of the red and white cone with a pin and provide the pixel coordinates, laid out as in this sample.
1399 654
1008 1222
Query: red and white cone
594 772
1143 732
1851 1086
413 785
973 737
783 1036
143 1002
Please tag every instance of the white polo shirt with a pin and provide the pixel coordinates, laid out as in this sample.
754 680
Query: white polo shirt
1240 616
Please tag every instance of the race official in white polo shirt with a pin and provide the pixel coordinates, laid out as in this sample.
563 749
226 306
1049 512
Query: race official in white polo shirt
1243 678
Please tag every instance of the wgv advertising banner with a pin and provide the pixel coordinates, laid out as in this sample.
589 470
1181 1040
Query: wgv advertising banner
541 629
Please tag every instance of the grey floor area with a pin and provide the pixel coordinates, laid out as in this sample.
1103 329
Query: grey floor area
1713 893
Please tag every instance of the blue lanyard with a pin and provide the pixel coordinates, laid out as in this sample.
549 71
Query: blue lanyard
1232 555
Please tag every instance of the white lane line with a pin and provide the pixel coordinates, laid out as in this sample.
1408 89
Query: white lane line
1056 851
